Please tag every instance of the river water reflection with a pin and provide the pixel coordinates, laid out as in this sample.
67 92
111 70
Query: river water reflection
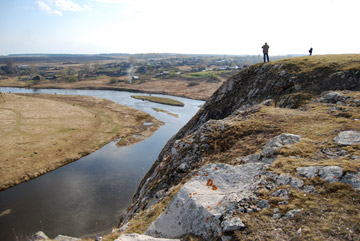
89 195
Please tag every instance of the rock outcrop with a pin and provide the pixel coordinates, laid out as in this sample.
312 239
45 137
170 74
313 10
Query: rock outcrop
236 158
204 206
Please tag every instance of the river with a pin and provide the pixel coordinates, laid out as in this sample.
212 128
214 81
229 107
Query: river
88 196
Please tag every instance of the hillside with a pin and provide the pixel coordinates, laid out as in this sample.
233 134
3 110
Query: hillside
274 154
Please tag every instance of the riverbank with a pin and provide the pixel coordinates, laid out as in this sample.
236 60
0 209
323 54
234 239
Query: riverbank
42 132
202 91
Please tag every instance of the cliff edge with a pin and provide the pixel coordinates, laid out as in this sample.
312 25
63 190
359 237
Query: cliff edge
273 154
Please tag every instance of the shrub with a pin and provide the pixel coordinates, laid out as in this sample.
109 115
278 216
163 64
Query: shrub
112 80
193 83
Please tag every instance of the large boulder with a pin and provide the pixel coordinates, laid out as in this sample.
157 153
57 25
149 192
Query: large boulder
347 138
139 237
203 205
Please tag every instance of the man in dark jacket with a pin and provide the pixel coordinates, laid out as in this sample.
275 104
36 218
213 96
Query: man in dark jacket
266 52
310 51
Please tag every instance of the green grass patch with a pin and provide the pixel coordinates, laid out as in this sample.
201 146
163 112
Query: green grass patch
64 130
161 100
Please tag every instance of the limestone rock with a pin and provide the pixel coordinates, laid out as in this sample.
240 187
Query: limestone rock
268 102
292 213
352 179
282 193
331 97
139 237
296 183
263 204
279 141
308 172
283 179
331 173
232 224
66 238
201 203
308 188
39 236
328 173
347 138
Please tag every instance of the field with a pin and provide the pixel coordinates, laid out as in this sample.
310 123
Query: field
40 133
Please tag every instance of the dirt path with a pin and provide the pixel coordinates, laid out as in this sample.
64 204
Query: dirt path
39 133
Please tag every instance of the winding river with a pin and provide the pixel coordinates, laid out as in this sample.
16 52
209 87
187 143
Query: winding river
88 196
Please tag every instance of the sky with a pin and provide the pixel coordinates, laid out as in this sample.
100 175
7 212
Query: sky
227 27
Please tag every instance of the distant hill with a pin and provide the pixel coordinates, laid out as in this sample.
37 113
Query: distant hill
46 58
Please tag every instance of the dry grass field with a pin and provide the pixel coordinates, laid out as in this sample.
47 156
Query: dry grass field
39 133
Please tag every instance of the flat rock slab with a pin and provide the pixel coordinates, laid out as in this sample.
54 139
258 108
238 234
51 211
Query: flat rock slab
201 204
42 236
347 138
328 173
139 237
279 141
66 238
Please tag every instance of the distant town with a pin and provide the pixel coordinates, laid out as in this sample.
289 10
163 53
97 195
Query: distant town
122 70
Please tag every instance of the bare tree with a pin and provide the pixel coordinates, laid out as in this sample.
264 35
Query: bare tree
10 69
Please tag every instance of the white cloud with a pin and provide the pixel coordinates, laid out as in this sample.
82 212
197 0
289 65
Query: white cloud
45 7
57 7
67 5
113 1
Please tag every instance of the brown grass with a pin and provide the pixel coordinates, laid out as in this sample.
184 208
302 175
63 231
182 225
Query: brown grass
40 133
341 62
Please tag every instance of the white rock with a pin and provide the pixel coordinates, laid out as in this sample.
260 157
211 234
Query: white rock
279 141
232 224
202 201
331 173
39 236
138 237
292 213
347 138
66 238
308 172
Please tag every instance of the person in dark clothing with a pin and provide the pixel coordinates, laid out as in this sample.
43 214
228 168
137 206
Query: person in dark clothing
310 51
266 52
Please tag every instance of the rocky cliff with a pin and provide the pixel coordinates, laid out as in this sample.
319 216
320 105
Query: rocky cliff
273 154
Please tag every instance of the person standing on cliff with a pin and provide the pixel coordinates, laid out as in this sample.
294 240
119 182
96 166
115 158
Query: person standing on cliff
266 52
310 51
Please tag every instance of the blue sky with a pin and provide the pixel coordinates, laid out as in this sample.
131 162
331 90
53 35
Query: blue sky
179 26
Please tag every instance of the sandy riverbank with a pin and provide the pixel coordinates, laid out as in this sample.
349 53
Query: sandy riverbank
42 132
